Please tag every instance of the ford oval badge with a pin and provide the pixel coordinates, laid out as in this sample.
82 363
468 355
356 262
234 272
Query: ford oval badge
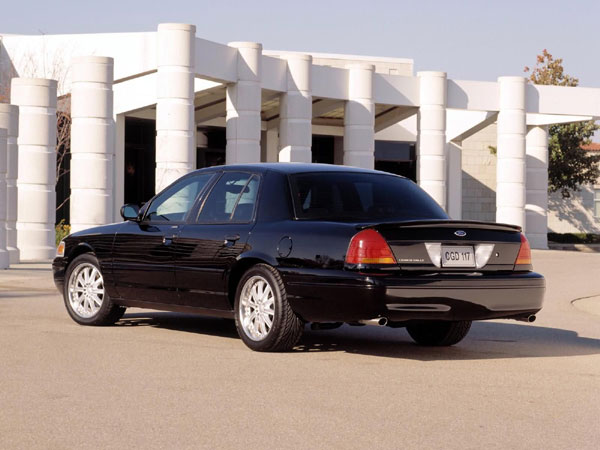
460 233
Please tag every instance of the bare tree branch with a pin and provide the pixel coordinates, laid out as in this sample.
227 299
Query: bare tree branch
45 63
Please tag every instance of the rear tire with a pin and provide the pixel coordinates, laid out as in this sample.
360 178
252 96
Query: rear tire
263 317
439 333
85 296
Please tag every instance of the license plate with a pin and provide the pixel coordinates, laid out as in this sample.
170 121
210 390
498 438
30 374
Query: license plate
455 256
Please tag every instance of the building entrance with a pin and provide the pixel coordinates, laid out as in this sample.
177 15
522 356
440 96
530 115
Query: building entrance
140 157
396 157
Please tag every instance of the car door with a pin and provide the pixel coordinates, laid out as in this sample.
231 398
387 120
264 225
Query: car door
143 257
207 247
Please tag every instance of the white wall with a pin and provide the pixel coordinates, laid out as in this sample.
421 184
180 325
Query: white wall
390 66
574 214
479 176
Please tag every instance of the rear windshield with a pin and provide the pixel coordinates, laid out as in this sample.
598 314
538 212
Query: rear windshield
347 196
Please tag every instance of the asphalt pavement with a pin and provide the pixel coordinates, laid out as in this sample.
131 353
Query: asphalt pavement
165 380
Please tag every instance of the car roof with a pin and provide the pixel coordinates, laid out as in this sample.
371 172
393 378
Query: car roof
290 168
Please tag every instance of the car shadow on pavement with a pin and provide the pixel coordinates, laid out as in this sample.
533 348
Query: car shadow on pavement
486 340
191 323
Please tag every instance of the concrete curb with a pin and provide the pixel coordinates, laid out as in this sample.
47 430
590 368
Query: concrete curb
587 248
589 305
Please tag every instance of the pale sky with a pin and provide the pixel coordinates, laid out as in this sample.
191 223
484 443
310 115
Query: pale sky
478 40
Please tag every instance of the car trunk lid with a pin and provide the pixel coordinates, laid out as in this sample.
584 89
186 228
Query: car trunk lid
450 245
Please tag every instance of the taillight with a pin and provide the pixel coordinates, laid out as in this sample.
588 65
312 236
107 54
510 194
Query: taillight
524 256
369 247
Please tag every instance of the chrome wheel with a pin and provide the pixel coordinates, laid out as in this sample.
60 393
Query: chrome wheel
86 290
257 308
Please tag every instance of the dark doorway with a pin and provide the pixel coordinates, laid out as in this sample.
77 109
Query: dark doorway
323 149
214 152
63 159
140 159
396 157
63 185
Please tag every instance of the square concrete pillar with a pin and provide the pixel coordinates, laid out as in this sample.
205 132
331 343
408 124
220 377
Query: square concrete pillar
9 120
536 207
454 181
4 255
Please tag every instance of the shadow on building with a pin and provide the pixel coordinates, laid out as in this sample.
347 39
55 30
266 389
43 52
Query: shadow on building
478 200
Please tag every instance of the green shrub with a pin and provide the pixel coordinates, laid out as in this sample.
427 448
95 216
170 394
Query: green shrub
574 238
62 231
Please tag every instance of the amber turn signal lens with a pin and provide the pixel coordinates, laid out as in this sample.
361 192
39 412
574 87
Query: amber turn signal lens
524 256
60 251
369 247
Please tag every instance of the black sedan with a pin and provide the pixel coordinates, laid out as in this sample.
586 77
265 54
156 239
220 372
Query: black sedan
275 246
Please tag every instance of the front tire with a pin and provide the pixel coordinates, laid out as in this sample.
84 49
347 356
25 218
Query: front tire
85 296
439 333
263 317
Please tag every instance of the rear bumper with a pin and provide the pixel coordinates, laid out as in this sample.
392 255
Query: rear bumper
345 296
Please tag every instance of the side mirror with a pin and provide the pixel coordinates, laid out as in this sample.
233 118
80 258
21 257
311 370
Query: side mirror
130 211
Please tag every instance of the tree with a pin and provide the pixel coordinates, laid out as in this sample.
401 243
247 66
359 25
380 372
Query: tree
569 165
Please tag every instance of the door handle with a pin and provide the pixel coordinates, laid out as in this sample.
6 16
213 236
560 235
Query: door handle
231 239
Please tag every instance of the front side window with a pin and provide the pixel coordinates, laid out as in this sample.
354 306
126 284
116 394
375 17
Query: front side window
232 199
173 204
361 197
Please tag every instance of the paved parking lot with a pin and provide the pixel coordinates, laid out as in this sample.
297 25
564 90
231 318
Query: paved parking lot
159 380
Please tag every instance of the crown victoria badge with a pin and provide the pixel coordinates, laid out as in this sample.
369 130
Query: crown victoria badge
460 233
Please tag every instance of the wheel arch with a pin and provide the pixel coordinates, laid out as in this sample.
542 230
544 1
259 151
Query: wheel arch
80 249
240 267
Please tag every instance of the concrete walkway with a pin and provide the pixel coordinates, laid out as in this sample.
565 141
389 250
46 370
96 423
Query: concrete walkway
161 380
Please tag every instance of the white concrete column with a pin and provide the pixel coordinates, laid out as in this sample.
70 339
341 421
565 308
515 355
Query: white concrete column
295 111
536 207
243 106
431 135
272 145
510 190
175 124
359 118
454 153
36 179
4 255
92 142
9 120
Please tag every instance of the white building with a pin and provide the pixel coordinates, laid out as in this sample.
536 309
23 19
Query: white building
149 107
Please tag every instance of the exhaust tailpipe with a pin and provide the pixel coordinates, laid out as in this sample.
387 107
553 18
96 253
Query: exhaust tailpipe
379 321
530 319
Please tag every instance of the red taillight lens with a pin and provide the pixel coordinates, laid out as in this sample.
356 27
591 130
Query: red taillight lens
524 256
369 247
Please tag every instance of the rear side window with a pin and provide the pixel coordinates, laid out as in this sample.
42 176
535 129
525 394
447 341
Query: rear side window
232 199
347 196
